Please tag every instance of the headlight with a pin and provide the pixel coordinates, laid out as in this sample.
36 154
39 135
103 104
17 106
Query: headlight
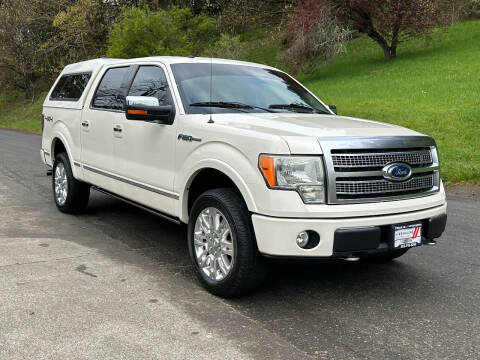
301 173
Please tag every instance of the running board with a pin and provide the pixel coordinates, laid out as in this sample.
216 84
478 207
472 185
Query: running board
147 209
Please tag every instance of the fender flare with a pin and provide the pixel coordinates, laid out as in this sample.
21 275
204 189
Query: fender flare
57 134
224 168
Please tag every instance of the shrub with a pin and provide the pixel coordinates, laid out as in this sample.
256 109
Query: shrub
174 31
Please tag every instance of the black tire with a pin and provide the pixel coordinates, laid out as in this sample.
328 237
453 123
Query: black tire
249 268
386 256
78 192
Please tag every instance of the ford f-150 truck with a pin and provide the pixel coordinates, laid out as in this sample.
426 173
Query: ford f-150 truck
253 162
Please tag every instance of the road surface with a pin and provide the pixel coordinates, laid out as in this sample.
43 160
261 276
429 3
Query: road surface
115 283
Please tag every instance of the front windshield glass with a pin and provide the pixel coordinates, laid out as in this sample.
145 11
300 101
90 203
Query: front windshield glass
239 88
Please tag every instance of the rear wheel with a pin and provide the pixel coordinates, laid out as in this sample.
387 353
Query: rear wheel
70 195
222 244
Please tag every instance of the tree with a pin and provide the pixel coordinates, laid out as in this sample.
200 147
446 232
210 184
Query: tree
79 32
239 16
24 26
165 32
314 32
458 10
385 21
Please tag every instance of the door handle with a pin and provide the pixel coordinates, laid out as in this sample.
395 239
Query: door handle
85 123
117 128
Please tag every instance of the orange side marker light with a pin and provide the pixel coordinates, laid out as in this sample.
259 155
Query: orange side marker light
137 112
267 165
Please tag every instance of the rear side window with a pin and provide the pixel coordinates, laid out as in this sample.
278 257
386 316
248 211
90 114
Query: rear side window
151 81
70 87
110 94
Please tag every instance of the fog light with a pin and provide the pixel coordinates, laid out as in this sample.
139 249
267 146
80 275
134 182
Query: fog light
302 239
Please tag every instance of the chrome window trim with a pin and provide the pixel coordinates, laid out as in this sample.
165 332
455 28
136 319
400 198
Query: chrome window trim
375 143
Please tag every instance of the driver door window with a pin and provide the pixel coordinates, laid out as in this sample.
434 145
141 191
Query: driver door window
151 81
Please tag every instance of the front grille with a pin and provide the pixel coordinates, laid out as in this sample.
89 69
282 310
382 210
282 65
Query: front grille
369 188
355 168
414 158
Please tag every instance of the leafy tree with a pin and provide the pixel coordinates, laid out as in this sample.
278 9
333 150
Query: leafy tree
385 21
174 31
80 32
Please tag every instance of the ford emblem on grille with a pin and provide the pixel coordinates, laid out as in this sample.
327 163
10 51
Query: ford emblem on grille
397 172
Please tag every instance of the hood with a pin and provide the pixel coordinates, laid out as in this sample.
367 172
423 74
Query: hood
312 125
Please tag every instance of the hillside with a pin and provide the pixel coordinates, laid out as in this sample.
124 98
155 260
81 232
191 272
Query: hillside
433 89
19 113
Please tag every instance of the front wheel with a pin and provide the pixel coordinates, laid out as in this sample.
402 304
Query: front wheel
222 244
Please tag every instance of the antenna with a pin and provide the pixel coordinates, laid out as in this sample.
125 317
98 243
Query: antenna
210 121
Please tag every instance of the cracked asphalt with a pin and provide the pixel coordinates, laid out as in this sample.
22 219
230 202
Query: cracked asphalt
115 283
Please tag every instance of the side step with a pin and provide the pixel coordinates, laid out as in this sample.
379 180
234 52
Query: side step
150 210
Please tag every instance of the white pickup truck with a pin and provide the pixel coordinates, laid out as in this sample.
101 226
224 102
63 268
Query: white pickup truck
250 159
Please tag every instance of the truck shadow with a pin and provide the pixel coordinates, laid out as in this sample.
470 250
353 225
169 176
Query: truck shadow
164 243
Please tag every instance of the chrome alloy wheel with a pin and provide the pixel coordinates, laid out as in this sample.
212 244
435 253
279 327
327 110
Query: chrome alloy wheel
61 184
213 244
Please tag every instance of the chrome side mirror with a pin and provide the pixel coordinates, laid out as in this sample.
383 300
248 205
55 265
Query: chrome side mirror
147 108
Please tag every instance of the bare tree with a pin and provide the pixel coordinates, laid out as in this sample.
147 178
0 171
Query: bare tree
323 37
24 27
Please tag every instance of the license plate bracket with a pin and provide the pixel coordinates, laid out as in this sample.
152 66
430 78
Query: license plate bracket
405 236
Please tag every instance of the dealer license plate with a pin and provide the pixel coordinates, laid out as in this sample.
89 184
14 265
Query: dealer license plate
407 235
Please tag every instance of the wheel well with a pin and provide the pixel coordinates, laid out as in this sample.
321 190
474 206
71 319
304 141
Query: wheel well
58 147
208 179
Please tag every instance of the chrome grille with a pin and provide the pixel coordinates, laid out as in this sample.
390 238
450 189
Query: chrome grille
420 157
379 187
355 168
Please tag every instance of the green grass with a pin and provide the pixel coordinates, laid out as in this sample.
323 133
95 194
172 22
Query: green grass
20 114
434 90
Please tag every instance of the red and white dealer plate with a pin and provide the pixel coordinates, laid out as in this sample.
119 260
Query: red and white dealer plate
407 235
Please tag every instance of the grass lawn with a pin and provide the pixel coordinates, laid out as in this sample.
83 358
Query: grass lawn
434 90
21 114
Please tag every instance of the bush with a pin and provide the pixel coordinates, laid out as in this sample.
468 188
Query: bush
174 31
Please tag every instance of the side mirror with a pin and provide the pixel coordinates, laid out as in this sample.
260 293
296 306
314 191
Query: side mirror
333 108
146 108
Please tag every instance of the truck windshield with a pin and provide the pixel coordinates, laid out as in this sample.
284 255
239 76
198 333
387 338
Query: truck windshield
225 88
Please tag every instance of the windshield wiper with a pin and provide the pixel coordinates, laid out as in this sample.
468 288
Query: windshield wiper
229 105
294 106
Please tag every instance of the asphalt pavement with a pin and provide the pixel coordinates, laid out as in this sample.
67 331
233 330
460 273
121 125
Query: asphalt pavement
115 283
